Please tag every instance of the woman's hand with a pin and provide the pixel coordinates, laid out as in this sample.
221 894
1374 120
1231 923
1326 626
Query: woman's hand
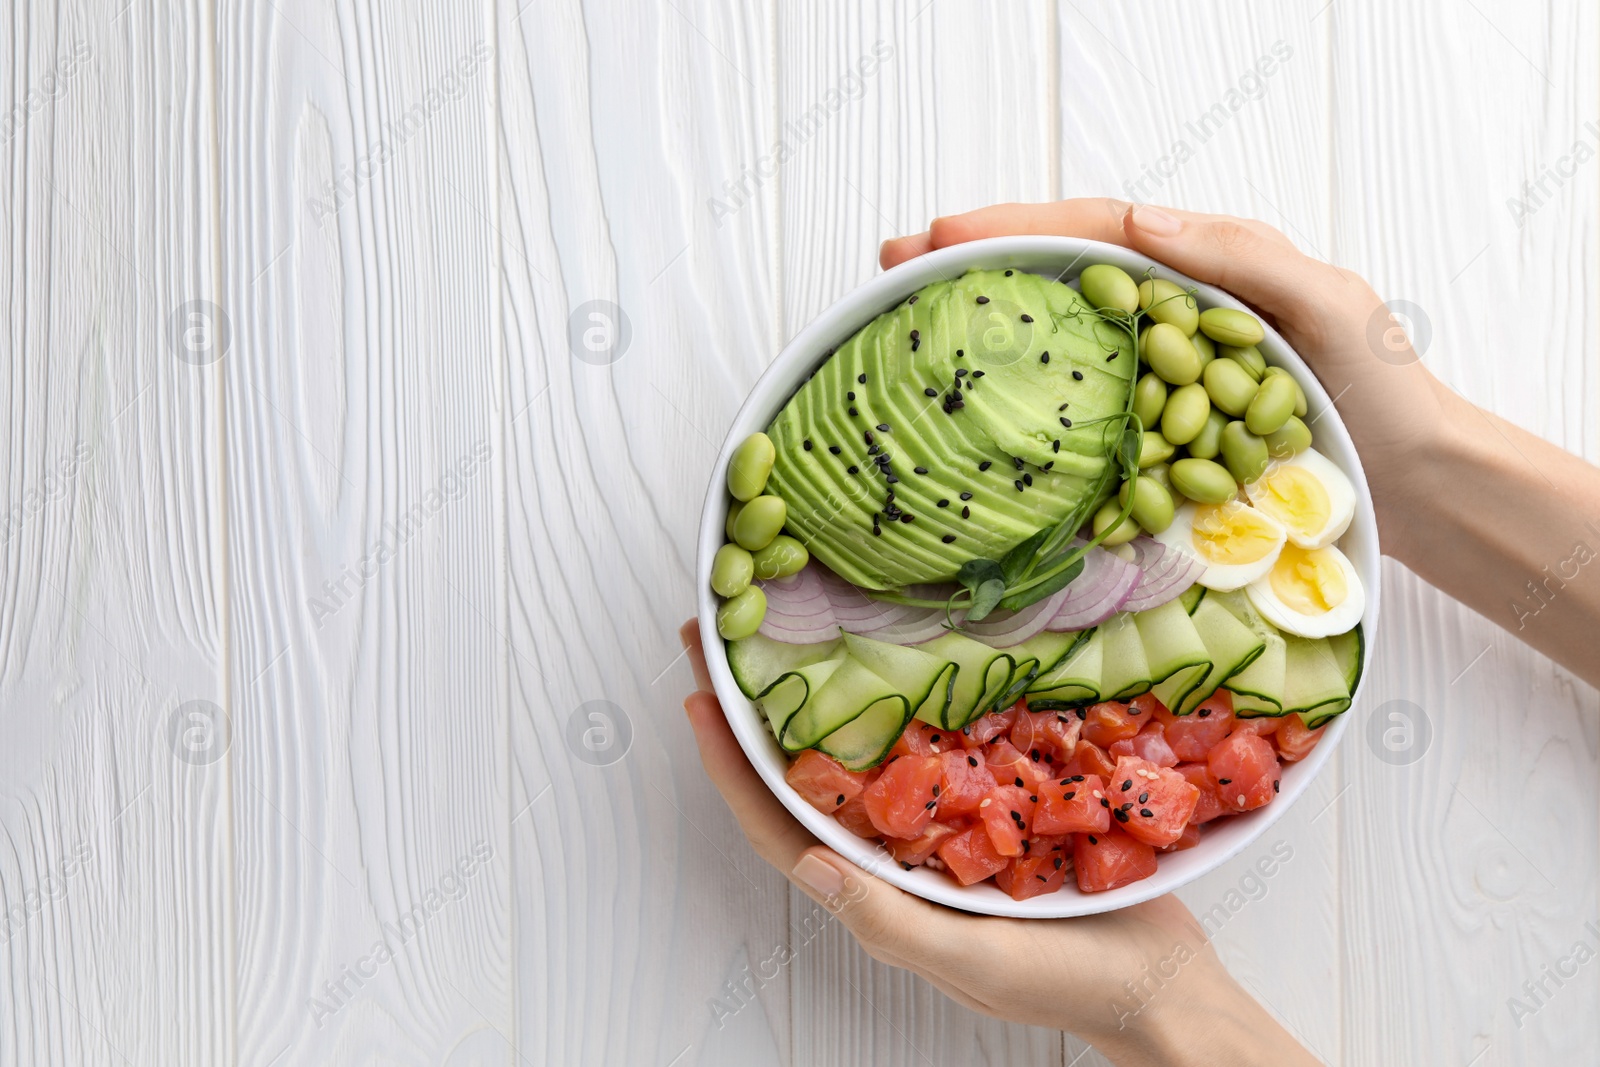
1142 984
1391 404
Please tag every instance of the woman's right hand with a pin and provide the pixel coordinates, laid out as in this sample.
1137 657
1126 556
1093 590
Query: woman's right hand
1390 403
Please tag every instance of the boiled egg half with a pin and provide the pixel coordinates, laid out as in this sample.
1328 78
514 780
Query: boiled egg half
1311 592
1237 543
1310 496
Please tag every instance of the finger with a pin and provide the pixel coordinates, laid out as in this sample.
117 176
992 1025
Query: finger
892 925
689 634
897 250
1249 260
777 837
1094 218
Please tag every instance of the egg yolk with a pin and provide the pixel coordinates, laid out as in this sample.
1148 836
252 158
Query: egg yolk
1297 498
1309 581
1231 533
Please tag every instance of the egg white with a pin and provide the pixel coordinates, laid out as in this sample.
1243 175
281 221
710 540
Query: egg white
1337 620
1223 576
1341 498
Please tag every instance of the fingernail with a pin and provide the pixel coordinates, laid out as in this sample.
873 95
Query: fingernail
1154 221
820 875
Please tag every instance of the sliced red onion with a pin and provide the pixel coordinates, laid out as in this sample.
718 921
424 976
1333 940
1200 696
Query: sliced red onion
1096 594
799 611
1167 570
881 620
1002 629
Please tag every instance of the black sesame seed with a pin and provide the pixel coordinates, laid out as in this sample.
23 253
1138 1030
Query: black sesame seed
1224 781
1027 479
1203 712
985 465
972 761
961 372
1112 356
930 391
1069 794
1055 446
1275 785
1047 466
913 300
983 300
915 345
1008 274
1066 422
906 518
934 740
853 411
1083 713
1018 484
1016 461
1026 848
1093 840
1029 318
1017 815
849 396
1077 375
1144 798
861 378
943 503
1126 806
977 374
966 496
920 470
873 451
1121 815
835 449
1019 781
915 335
876 532
1058 863
1104 803
1063 406
966 513
883 427
960 353
1078 777
806 445
930 805
1128 784
948 538
1147 813
841 798
1033 798
891 479
854 469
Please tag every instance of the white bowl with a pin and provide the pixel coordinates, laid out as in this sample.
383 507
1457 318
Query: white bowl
1061 257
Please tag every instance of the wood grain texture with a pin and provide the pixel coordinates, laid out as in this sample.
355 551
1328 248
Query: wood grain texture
639 905
365 535
424 531
898 113
1457 891
114 851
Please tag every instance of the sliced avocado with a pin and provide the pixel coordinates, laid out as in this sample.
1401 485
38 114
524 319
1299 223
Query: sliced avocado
1005 411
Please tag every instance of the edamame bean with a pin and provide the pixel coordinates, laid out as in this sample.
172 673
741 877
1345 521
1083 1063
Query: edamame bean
731 570
1170 354
1149 397
1203 481
1105 286
1272 406
1229 385
740 616
733 513
1161 474
1229 327
1127 531
759 522
750 465
1244 454
1291 438
1299 393
1185 414
783 557
1249 357
1166 302
1152 505
1154 449
1208 442
1206 347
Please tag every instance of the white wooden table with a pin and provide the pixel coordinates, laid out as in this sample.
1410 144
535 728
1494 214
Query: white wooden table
320 536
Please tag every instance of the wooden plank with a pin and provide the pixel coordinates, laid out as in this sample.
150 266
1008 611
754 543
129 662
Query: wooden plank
1221 108
114 866
366 550
1457 891
940 109
638 903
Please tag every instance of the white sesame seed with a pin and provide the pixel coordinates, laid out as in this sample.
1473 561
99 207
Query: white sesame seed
1241 800
985 803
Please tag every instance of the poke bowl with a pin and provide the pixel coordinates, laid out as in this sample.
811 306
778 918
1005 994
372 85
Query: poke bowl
1036 577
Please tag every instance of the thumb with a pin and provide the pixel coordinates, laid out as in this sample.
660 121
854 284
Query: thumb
893 926
1250 260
